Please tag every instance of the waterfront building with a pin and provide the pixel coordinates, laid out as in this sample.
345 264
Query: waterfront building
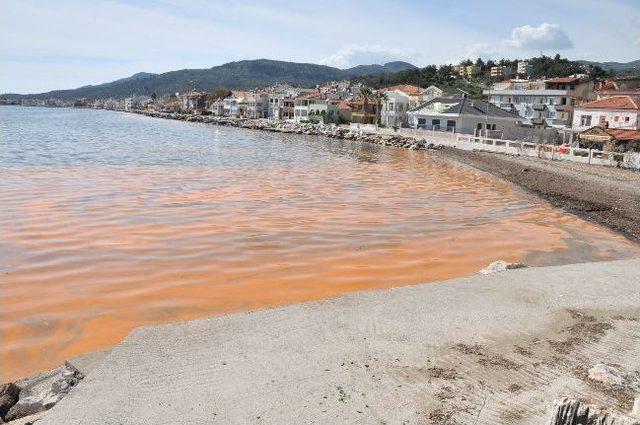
462 115
257 105
275 105
193 101
542 103
617 112
364 111
342 111
402 98
288 108
235 106
216 107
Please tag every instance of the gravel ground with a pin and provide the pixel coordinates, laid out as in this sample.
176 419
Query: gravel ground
605 195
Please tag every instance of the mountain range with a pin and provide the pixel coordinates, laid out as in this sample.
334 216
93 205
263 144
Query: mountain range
617 67
233 75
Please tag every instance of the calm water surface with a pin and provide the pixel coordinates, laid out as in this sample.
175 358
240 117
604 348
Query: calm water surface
110 221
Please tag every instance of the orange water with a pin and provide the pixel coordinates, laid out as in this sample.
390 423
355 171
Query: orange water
91 251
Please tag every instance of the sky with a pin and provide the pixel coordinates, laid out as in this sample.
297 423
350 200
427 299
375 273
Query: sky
56 44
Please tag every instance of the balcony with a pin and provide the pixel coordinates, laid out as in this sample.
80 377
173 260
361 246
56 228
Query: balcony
563 108
538 106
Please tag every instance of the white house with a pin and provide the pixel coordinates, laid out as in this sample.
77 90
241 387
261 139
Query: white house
257 105
462 115
235 105
617 112
402 98
545 103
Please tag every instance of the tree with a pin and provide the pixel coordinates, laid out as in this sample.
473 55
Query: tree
379 97
366 93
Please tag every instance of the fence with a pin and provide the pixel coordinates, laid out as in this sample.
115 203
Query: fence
629 160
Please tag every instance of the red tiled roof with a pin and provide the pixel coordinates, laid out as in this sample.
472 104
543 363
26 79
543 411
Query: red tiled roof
406 88
563 80
615 102
623 135
344 105
313 95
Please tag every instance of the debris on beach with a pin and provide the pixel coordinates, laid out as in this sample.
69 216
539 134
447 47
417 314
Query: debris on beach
501 266
575 412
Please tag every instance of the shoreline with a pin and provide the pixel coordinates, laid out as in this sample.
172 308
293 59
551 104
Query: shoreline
485 349
606 196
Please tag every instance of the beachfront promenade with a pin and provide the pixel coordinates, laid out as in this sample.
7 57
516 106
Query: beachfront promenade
483 349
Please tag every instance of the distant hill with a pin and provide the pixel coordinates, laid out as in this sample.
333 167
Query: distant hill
233 75
617 67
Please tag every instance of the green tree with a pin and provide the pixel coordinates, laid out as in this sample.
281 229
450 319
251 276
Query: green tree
366 93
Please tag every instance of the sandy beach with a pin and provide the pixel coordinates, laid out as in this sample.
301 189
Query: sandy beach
483 349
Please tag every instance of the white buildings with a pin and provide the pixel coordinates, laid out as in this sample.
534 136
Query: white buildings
235 105
193 100
523 68
401 99
462 115
618 112
544 103
257 105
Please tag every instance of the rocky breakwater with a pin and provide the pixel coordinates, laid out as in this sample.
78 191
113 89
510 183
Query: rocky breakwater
326 130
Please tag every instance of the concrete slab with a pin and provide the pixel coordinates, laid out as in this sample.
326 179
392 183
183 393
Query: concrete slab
485 349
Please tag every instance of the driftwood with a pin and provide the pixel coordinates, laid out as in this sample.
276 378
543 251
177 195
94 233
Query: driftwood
574 412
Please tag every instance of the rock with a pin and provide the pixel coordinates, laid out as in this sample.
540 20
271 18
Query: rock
9 395
607 375
501 266
43 391
26 406
28 420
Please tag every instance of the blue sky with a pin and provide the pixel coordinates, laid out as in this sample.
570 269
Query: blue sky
51 44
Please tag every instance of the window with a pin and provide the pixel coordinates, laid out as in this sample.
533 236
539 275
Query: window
451 125
585 120
626 119
616 118
391 106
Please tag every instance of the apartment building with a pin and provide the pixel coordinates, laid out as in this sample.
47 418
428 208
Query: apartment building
542 103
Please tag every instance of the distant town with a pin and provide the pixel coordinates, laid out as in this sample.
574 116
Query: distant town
583 110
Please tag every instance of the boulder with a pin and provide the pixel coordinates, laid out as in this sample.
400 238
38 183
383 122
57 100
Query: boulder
501 266
9 395
607 375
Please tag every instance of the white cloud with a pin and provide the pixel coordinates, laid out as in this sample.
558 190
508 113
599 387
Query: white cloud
367 54
544 36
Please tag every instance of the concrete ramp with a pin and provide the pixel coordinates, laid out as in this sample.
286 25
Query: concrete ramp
485 349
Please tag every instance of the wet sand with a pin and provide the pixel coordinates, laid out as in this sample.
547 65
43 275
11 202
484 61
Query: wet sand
604 195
